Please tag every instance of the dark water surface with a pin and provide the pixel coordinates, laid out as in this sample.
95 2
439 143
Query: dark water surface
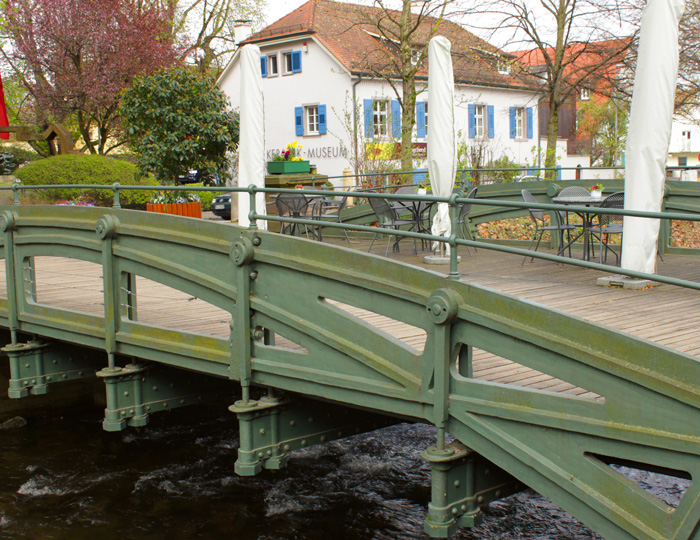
65 478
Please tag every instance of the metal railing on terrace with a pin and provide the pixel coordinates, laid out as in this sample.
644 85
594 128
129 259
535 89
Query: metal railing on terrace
454 201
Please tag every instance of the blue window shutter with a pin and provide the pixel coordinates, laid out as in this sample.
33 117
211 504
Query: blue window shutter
263 65
299 120
369 117
472 123
296 61
530 122
321 119
420 119
513 132
558 172
489 109
396 118
419 175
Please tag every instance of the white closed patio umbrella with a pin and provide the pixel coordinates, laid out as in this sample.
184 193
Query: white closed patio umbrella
251 146
649 130
442 140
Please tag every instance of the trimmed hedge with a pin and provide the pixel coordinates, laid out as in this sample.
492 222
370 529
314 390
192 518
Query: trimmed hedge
85 169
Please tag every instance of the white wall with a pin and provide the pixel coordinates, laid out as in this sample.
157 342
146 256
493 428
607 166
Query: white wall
323 81
684 145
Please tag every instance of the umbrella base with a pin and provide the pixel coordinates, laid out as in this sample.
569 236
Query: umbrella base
439 259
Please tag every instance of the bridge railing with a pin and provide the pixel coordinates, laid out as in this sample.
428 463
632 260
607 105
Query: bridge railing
503 206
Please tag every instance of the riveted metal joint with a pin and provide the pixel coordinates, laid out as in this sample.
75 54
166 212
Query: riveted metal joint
443 306
8 221
106 227
242 252
258 333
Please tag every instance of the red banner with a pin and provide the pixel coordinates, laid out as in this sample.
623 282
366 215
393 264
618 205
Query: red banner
3 113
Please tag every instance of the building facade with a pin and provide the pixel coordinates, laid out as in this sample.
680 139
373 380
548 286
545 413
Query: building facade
326 86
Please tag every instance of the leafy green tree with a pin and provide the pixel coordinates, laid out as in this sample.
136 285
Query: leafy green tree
177 119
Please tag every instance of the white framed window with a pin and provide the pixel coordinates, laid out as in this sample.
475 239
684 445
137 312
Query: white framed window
380 117
415 56
479 120
686 135
311 114
426 117
272 67
503 67
291 62
520 123
585 94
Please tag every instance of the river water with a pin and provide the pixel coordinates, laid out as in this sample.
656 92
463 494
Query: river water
63 477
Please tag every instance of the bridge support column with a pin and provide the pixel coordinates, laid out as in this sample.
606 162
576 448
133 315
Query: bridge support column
462 482
270 428
135 391
34 365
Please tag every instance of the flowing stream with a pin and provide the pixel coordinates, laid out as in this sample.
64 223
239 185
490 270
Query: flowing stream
65 478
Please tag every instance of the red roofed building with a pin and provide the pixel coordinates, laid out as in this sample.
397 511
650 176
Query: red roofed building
325 68
591 71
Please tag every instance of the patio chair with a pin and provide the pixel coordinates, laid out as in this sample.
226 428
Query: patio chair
463 222
329 208
537 216
292 205
387 218
610 224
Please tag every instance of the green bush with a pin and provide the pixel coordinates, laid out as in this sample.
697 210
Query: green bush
85 169
206 197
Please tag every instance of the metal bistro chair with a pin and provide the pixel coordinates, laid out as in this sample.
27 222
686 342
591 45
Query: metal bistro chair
578 191
293 205
329 208
463 220
610 224
537 216
387 218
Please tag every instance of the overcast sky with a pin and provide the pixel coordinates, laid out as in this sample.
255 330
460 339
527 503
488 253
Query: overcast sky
276 9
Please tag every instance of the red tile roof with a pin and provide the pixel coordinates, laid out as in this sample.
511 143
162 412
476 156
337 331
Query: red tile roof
346 30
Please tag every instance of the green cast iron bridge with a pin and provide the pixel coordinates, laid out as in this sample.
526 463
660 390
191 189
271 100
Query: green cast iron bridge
295 338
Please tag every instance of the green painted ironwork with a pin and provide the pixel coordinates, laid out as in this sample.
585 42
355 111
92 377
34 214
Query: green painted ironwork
561 445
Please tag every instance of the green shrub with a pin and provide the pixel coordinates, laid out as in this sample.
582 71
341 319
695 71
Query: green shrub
85 169
206 197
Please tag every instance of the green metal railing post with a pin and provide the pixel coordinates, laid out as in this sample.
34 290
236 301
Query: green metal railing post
106 228
251 212
115 189
15 194
454 256
8 225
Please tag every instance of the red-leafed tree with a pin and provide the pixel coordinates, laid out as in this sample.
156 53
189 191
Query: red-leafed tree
75 57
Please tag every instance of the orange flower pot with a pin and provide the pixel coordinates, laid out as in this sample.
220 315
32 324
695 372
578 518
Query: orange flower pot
188 209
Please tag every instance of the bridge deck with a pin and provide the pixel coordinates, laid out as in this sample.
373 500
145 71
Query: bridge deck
665 314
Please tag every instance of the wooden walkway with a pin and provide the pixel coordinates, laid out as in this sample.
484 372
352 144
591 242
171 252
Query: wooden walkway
664 314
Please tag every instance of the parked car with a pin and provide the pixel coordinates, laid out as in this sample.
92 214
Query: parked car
221 206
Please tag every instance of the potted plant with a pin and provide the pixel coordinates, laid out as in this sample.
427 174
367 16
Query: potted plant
597 190
180 203
289 161
423 188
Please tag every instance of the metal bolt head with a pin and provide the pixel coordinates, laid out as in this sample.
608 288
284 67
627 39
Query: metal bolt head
257 241
262 432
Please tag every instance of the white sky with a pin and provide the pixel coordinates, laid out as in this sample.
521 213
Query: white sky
276 9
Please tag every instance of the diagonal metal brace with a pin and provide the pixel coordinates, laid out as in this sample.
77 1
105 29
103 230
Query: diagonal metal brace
270 428
35 364
462 482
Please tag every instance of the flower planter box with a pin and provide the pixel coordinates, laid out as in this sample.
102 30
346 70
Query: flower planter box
188 209
288 167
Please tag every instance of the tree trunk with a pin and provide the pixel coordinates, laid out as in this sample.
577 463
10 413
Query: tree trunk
550 160
408 119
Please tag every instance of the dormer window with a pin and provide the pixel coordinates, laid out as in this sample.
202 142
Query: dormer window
415 56
503 67
585 94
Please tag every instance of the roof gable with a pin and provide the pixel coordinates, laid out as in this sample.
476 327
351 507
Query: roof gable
349 33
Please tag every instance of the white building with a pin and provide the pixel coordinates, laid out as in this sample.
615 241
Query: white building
321 66
684 149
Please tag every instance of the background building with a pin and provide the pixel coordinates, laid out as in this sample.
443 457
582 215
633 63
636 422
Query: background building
328 86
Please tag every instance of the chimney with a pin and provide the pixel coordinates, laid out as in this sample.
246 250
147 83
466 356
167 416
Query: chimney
242 30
